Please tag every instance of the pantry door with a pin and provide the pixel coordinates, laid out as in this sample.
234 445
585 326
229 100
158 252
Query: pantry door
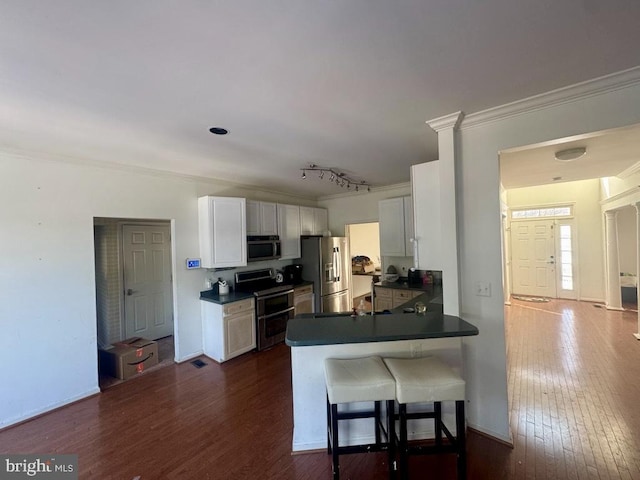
533 258
148 304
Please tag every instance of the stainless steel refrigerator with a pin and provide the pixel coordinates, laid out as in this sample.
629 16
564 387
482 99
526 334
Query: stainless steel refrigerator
327 263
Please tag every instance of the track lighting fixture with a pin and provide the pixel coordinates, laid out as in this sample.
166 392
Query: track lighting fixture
340 178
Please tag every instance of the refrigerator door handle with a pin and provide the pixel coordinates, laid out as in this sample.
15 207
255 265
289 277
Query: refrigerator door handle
339 263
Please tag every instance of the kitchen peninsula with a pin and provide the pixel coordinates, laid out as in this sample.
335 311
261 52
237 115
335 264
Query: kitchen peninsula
314 337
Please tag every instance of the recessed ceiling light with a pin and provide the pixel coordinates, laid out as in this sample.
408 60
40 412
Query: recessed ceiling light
218 130
570 154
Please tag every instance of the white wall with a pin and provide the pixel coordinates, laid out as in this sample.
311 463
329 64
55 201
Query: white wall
585 195
358 207
478 199
364 239
47 277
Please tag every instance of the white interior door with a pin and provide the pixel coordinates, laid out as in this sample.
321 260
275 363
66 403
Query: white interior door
533 258
148 306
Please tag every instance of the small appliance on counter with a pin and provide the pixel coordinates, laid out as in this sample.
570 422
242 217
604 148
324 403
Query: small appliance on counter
415 276
223 287
293 273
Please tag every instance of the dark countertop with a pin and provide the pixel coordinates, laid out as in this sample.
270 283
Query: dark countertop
309 330
214 297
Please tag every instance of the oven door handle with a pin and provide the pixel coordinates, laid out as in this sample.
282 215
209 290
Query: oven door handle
266 317
266 297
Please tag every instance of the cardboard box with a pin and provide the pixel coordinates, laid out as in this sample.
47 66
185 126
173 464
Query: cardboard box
129 358
359 267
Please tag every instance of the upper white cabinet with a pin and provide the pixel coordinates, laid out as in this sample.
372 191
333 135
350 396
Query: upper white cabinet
289 231
262 218
222 231
395 217
425 188
313 221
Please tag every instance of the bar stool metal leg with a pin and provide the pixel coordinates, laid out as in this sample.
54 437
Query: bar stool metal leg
359 380
437 410
461 440
334 442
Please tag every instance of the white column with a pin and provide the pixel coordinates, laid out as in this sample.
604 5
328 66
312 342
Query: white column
614 295
637 205
445 128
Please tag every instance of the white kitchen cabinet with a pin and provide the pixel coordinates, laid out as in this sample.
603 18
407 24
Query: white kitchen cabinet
425 187
262 218
395 219
228 330
389 297
313 221
222 231
289 231
303 300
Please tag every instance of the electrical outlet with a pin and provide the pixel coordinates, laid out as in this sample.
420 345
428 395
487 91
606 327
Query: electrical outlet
483 289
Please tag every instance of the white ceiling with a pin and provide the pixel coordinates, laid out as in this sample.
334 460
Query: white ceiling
346 84
608 154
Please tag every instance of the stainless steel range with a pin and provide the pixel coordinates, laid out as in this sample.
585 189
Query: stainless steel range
274 304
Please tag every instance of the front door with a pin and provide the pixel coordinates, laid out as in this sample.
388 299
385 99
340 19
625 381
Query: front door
148 306
533 258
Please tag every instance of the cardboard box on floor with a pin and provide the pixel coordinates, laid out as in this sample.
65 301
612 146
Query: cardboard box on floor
129 358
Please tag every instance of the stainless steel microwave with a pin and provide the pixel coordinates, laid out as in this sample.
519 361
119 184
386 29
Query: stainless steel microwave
263 247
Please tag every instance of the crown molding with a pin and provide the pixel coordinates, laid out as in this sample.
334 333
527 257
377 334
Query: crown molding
38 156
571 93
627 172
448 121
396 186
627 194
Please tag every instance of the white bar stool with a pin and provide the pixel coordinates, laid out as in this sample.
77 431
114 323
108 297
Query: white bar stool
359 380
423 380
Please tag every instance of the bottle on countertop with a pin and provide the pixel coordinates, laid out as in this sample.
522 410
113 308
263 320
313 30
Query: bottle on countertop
362 310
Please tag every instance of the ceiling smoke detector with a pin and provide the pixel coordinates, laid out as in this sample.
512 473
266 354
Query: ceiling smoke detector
570 154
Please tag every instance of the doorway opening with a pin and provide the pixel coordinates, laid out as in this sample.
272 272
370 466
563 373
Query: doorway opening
133 268
586 198
364 245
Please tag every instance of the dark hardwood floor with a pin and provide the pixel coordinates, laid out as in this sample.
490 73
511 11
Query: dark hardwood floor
574 385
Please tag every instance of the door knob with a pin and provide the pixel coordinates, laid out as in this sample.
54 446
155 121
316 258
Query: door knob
129 292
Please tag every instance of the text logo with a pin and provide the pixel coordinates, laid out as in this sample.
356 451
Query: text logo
46 466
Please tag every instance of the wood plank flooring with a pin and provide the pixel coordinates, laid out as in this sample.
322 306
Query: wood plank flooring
574 385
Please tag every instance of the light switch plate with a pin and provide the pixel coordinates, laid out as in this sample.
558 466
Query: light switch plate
483 289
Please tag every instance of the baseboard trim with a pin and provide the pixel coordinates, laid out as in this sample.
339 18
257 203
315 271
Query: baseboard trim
501 441
49 409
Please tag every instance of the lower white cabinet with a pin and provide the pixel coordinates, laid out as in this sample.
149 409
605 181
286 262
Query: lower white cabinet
387 298
303 299
228 330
